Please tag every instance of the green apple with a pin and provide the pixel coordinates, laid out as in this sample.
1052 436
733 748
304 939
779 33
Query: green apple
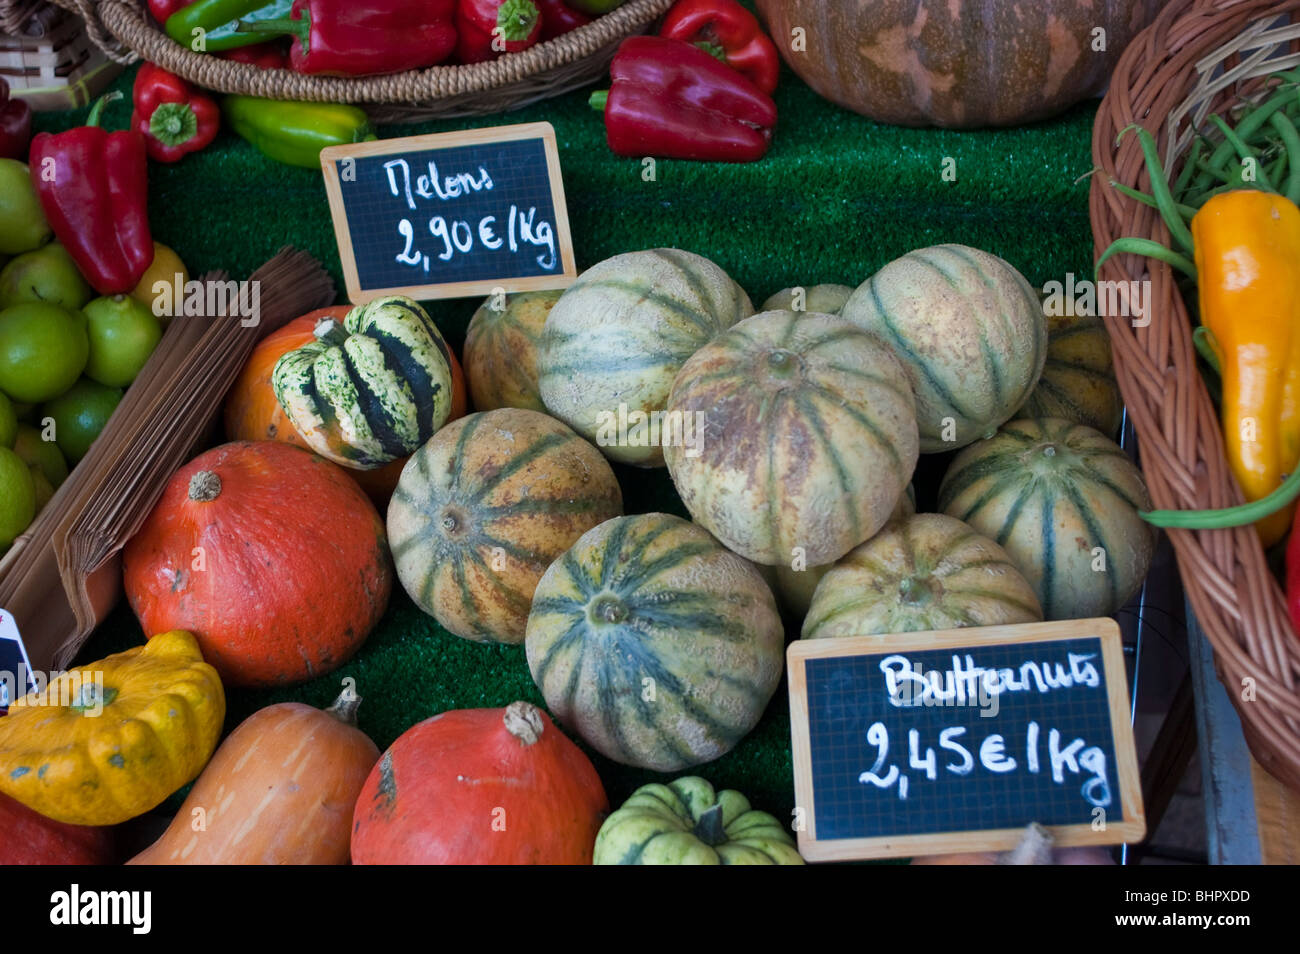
123 333
48 274
22 223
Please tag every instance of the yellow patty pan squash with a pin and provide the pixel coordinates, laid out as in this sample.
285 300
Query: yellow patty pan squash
109 741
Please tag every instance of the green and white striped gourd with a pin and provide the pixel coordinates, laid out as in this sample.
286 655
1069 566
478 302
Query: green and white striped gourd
969 328
687 823
1063 499
501 350
809 437
484 508
654 643
371 390
926 572
616 338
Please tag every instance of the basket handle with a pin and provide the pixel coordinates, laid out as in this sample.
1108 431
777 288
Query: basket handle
88 11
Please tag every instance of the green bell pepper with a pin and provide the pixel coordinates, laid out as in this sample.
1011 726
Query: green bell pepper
295 133
217 20
595 8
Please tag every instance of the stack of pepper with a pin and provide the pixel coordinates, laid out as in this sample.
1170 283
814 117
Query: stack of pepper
350 38
700 90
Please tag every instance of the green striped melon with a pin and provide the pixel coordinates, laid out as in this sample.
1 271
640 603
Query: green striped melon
969 328
501 350
654 643
484 508
794 588
688 822
1064 500
617 337
809 437
1078 382
820 299
926 572
371 390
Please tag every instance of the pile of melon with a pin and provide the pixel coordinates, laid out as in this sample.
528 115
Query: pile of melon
792 436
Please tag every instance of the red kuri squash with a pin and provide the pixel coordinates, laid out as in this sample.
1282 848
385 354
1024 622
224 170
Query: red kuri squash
480 786
279 791
253 414
271 556
29 838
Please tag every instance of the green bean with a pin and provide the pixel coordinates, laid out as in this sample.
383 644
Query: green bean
1238 516
1186 211
1179 188
1203 339
1244 152
1253 120
1291 138
1160 188
1223 176
1198 201
1146 247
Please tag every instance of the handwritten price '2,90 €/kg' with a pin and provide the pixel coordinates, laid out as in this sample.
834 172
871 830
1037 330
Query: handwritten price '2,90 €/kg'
512 229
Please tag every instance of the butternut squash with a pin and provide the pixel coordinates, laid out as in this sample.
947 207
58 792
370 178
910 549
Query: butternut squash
280 790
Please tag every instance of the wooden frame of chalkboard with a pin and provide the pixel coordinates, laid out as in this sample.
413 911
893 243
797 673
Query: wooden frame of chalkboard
1131 827
423 145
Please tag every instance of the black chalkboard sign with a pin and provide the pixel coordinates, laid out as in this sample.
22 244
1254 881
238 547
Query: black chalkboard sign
927 743
451 215
15 668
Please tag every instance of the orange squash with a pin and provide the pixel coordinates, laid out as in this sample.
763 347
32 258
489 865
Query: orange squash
253 414
480 787
279 791
270 555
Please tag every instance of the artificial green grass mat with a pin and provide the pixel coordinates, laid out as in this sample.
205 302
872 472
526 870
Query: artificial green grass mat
837 197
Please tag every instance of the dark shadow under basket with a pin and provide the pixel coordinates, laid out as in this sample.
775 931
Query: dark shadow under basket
1198 56
126 32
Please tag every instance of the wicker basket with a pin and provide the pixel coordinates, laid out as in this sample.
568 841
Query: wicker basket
48 59
125 31
14 14
1199 56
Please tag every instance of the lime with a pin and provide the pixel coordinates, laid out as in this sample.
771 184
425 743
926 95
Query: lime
22 223
17 497
44 489
80 414
41 455
43 350
122 333
166 267
8 422
48 274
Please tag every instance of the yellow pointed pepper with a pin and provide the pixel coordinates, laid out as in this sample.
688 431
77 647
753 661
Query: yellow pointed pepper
1247 247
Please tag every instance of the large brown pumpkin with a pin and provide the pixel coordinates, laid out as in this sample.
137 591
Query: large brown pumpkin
279 791
956 63
270 555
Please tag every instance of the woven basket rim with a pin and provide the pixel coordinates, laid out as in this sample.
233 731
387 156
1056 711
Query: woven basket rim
126 32
1162 82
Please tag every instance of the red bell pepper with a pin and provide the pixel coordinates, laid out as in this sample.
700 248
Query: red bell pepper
559 18
726 30
365 37
272 55
488 28
672 99
15 125
174 118
93 186
162 9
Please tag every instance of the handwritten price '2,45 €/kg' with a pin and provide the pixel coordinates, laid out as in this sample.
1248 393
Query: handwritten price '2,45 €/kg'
1042 751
